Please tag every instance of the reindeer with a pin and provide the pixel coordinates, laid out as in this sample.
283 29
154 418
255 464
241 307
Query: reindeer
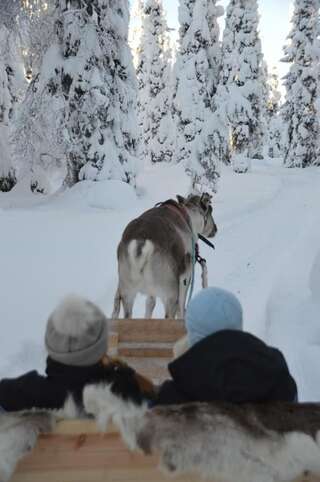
156 253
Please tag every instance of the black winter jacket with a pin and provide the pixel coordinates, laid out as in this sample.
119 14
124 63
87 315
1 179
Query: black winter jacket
51 391
231 366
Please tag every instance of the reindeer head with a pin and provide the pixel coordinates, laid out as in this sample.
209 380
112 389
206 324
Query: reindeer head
200 210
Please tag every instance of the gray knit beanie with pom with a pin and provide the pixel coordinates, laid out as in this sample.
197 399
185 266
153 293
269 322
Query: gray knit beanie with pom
77 332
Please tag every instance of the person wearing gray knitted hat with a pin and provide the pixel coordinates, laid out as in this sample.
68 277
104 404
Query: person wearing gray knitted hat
76 341
77 333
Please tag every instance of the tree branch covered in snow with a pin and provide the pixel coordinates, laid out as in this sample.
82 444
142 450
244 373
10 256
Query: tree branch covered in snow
135 29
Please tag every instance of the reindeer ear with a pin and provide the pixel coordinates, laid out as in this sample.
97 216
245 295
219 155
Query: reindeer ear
181 199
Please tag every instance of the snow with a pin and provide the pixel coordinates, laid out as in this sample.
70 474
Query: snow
267 252
100 195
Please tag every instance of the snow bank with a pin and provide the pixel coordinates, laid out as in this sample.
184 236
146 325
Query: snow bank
241 163
293 313
314 283
99 195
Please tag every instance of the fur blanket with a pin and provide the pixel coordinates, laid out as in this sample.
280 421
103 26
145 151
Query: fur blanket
18 435
244 443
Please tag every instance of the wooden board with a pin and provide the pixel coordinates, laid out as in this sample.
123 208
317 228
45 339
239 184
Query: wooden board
148 331
76 452
148 340
127 351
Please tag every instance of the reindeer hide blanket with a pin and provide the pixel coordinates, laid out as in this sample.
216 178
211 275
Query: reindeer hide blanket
219 441
18 435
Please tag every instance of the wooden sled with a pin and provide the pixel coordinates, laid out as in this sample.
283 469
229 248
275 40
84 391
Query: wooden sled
76 452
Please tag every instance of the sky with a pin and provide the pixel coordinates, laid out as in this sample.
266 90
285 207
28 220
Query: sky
274 27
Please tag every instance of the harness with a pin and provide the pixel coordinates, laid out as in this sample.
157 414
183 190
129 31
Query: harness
195 252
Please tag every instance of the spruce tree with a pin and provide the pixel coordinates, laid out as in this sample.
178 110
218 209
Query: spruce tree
155 89
197 71
241 77
302 86
274 126
82 101
12 86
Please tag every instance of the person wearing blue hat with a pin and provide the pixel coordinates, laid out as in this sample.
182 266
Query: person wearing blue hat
212 310
222 362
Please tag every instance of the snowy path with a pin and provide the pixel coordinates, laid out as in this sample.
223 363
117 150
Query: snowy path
68 244
251 247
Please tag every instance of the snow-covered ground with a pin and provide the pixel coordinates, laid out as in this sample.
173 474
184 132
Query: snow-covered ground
268 240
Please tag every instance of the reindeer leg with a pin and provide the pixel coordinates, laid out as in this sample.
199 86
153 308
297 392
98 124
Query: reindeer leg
183 290
116 305
128 301
150 304
171 306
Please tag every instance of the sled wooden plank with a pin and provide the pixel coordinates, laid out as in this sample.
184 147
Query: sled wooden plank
75 452
146 331
144 352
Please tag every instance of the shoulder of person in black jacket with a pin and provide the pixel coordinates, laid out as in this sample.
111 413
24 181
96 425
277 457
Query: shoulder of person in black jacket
229 365
33 390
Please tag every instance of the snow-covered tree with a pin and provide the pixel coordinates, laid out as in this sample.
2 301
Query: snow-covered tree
302 86
81 104
274 125
274 97
11 90
197 70
155 89
135 29
241 77
37 137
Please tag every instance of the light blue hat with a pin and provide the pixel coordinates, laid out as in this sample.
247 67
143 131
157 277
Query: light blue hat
212 310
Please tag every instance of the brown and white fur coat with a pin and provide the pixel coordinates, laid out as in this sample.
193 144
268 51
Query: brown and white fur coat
219 441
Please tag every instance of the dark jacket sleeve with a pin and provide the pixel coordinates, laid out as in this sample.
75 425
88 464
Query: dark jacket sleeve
29 391
169 394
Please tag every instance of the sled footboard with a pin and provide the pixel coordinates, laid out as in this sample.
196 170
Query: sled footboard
77 452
